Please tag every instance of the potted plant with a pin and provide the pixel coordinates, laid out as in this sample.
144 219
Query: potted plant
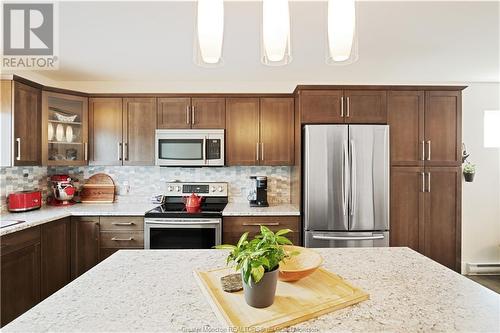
469 172
258 260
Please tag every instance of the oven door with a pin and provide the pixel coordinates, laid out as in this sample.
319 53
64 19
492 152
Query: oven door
182 233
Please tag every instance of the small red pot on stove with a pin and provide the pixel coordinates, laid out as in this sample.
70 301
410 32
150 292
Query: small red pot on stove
193 203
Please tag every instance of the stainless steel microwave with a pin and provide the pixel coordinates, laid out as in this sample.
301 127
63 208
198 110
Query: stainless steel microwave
189 147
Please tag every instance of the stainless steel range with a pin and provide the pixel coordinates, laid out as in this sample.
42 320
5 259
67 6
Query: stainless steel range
171 226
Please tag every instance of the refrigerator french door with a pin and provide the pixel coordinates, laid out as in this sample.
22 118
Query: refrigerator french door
346 185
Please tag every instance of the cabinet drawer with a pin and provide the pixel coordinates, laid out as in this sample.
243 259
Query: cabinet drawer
131 223
122 239
18 240
252 223
233 237
85 219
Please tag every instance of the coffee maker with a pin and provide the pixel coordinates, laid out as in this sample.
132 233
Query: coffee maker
258 195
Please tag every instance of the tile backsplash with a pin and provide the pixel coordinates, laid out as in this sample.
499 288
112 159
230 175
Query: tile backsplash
140 183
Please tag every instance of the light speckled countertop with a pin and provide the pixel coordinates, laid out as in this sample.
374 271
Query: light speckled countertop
244 209
155 290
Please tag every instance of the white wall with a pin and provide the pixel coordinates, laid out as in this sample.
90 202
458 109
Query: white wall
481 198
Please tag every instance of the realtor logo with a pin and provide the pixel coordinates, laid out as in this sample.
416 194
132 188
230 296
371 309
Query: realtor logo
29 36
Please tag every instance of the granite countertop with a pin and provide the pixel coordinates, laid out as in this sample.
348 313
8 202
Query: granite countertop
244 209
155 290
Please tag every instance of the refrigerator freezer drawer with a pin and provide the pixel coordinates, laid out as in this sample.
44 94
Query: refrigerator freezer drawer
346 239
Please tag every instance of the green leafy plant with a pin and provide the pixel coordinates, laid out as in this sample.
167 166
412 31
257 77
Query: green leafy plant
259 255
469 168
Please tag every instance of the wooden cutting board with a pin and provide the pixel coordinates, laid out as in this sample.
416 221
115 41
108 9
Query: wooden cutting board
99 188
321 292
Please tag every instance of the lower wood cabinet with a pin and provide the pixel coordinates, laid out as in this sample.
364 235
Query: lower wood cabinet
55 256
20 273
84 244
120 232
234 226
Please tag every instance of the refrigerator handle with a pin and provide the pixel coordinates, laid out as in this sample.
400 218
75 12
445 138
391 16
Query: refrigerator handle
345 184
353 178
348 238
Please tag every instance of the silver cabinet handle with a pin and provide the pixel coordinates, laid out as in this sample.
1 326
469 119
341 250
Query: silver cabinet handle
122 239
348 108
342 107
348 238
125 151
192 115
423 181
428 181
123 223
428 150
423 150
262 151
257 151
86 151
187 114
18 157
257 224
120 152
353 177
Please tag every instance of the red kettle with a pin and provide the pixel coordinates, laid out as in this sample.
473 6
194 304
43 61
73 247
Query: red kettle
193 203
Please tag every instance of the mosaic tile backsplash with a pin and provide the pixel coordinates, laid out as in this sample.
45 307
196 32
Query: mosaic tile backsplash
140 183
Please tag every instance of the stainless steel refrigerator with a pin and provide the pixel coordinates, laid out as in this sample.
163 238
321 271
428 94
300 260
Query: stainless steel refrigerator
346 185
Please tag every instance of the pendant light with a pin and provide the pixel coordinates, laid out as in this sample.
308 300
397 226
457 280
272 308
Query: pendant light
342 39
209 32
275 39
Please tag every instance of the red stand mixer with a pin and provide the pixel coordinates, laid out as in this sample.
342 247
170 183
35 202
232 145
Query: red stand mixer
63 190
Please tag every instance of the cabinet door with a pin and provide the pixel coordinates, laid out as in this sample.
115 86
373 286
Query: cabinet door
84 244
173 113
242 131
276 131
56 256
443 125
139 123
27 125
321 106
405 115
20 273
105 129
407 206
442 215
208 113
366 106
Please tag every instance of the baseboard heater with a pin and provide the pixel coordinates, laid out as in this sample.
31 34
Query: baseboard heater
483 268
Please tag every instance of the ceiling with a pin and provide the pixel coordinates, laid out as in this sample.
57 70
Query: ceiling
106 44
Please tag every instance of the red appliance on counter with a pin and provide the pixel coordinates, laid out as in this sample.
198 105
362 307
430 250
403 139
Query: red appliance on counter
62 190
24 201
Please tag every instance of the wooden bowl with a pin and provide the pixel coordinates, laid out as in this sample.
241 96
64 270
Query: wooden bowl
299 266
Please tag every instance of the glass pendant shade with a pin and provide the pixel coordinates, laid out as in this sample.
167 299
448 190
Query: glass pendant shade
342 39
209 32
275 48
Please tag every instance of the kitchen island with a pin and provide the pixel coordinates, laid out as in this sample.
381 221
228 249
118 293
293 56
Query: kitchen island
134 291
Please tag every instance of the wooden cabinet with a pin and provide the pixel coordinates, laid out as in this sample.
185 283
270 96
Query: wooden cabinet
122 131
120 232
84 244
185 112
234 226
27 125
55 256
20 273
260 131
343 106
442 231
139 123
443 128
407 206
405 113
64 129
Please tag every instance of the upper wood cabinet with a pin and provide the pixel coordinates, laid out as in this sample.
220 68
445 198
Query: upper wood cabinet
443 128
321 106
139 123
64 129
27 122
185 112
405 115
122 131
365 106
259 131
84 244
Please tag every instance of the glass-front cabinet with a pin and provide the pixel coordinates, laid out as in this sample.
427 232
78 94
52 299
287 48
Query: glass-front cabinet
64 129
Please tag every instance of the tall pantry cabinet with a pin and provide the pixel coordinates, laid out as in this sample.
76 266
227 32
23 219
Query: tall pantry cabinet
426 172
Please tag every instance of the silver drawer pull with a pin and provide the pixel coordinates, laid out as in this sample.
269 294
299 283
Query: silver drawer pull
123 223
122 239
257 224
348 238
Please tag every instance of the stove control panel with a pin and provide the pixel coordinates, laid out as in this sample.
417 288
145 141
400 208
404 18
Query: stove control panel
208 189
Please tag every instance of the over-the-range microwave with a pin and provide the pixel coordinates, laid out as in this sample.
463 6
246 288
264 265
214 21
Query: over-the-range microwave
189 147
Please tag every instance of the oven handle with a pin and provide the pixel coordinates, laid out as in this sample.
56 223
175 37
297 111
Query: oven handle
183 222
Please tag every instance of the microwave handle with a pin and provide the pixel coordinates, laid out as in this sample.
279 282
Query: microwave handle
205 150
